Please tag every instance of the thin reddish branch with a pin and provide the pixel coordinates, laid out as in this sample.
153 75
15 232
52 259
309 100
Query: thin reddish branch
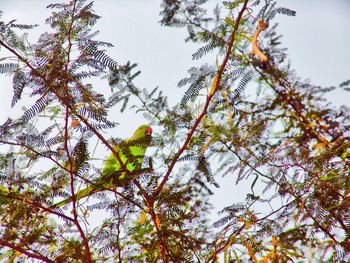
30 202
291 100
223 245
296 197
150 202
68 108
43 77
75 214
25 252
209 97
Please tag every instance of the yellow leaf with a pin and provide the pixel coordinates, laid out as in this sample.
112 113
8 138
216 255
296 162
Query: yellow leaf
75 123
143 218
266 258
14 256
229 21
320 145
344 155
274 240
251 252
311 125
246 225
256 50
60 151
240 219
157 222
213 87
228 105
249 38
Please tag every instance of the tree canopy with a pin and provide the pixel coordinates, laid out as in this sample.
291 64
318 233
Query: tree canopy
246 116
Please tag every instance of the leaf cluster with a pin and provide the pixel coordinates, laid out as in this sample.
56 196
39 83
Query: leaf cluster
254 123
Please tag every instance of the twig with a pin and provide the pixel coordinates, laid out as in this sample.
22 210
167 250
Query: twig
256 50
25 252
209 97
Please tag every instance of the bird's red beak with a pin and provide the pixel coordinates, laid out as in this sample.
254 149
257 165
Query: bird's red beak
148 131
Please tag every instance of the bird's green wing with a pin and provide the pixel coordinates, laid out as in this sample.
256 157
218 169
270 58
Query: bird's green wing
4 199
131 153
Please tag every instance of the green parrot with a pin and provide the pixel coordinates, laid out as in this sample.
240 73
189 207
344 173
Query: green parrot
131 153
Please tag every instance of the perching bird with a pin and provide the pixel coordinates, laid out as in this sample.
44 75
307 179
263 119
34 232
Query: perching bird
131 153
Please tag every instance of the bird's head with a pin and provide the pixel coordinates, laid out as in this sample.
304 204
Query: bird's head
148 131
143 131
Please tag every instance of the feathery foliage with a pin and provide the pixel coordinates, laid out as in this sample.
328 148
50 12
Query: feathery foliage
284 141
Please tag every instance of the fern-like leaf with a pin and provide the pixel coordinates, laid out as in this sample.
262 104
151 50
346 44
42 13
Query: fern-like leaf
280 10
202 51
8 68
197 80
285 11
105 60
79 155
243 83
18 84
39 106
231 5
24 26
58 6
193 91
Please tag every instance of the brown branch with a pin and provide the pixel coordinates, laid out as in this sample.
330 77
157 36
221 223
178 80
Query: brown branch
223 245
297 106
291 100
30 202
292 194
209 97
49 84
68 108
150 205
296 198
25 252
75 214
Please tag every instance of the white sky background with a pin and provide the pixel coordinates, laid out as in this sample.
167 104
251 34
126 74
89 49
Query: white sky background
318 41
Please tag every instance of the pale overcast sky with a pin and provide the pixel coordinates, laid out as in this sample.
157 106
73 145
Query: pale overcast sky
318 40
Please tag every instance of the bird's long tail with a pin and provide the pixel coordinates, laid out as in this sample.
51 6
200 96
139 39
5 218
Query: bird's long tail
81 194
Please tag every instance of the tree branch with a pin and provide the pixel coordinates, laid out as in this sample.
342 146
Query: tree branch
25 252
209 97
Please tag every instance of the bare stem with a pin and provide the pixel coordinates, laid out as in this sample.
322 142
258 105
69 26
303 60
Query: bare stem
209 97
